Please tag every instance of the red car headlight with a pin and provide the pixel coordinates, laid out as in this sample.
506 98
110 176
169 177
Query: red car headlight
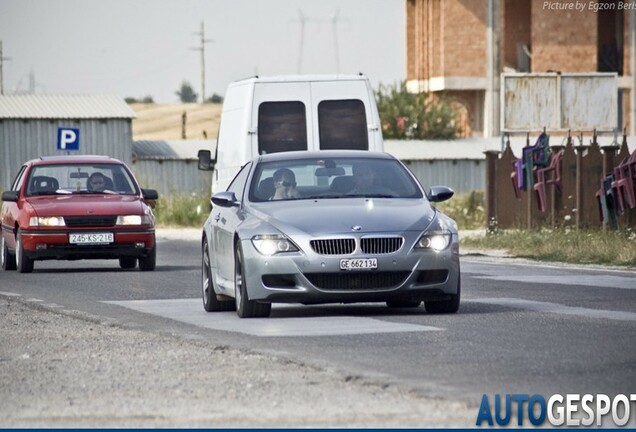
133 220
50 221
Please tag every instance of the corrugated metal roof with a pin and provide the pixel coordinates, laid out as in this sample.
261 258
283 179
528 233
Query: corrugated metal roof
64 107
171 150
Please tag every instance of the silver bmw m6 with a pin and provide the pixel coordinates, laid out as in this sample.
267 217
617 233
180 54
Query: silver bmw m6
328 227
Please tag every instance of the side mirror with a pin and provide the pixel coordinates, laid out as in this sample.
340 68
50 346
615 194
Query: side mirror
10 196
149 194
225 199
205 160
439 193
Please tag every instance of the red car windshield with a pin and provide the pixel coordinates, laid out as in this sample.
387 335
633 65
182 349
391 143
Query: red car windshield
80 179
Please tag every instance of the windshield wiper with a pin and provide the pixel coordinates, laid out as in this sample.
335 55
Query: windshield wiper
49 192
369 196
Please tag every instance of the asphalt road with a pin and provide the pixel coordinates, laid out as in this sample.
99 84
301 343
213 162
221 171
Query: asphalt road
522 327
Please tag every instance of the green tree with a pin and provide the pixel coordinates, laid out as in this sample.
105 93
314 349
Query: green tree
215 98
146 99
406 115
186 93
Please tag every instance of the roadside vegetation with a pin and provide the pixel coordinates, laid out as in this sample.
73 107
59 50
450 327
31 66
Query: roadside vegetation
184 210
565 244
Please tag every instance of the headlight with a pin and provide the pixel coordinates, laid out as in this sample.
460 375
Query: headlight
272 244
51 221
436 240
133 220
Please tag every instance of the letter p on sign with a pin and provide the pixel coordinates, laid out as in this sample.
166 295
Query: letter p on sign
68 139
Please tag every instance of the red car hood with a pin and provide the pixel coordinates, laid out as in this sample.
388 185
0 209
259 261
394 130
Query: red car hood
80 205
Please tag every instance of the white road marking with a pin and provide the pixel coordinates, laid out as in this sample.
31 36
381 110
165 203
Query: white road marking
191 311
10 294
556 308
605 281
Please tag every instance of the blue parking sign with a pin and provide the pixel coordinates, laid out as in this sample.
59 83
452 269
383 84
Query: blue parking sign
68 139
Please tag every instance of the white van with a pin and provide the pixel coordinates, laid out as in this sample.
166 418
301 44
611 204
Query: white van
282 113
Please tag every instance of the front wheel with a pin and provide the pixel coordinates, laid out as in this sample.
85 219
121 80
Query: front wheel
149 262
246 308
127 262
445 306
8 260
23 262
210 302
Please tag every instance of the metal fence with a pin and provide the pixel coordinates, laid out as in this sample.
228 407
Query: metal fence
573 199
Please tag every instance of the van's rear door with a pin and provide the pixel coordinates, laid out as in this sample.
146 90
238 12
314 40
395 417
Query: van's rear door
345 115
280 117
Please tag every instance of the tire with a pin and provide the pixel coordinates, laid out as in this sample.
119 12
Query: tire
445 306
149 262
127 262
246 308
403 303
8 260
23 263
210 302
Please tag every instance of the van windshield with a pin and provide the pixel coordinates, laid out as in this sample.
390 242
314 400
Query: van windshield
343 125
282 126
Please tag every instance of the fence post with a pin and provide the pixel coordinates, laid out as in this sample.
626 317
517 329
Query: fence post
556 201
579 181
491 186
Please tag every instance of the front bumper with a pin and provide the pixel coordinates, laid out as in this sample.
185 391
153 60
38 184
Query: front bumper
43 245
311 278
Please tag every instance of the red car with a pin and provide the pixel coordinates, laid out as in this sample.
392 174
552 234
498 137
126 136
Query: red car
77 207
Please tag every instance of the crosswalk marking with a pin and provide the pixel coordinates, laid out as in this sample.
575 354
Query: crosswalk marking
557 308
191 311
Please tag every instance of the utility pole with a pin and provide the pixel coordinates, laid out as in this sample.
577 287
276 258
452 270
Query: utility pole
2 60
492 103
303 20
201 49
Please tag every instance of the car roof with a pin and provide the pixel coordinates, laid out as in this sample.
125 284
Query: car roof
304 154
84 159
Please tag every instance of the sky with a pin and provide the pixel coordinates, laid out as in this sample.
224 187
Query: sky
138 48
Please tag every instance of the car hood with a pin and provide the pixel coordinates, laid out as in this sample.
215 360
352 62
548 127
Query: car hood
339 216
79 205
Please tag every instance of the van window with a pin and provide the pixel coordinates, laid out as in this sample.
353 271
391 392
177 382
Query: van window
282 126
343 125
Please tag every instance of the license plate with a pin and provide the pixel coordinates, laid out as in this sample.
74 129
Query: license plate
92 238
359 264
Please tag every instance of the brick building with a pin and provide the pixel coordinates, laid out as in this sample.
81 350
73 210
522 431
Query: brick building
460 47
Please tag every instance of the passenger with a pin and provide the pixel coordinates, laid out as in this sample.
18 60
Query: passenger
285 185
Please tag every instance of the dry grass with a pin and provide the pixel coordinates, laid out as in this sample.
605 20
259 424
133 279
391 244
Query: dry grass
163 122
564 245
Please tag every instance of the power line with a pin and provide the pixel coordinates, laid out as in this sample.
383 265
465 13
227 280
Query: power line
201 48
335 20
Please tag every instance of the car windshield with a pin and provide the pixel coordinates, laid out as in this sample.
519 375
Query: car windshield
58 179
332 178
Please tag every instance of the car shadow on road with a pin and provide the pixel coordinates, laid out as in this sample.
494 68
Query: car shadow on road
115 269
375 310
